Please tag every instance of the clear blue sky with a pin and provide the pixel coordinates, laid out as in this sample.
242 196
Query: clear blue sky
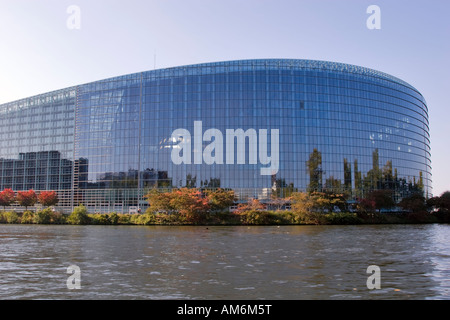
39 53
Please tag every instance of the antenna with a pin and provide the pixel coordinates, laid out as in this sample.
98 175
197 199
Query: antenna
154 60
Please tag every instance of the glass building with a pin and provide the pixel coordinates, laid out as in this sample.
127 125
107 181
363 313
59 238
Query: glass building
263 128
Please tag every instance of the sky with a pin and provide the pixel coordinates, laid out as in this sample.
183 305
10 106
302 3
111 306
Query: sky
46 45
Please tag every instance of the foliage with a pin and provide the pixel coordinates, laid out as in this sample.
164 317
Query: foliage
10 217
124 218
159 201
377 200
146 219
191 206
27 198
309 208
252 216
79 216
414 203
187 205
343 218
7 197
251 205
27 217
43 216
48 198
220 199
264 217
98 218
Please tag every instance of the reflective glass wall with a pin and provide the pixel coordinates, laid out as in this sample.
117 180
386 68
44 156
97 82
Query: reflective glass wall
36 143
261 127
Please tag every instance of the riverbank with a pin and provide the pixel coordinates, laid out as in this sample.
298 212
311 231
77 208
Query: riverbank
254 217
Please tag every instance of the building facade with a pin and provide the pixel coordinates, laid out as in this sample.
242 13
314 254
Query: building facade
263 128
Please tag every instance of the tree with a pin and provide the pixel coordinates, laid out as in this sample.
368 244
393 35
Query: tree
186 204
381 199
190 204
7 197
159 201
79 216
251 205
445 201
220 199
48 198
27 198
441 203
314 165
414 203
305 208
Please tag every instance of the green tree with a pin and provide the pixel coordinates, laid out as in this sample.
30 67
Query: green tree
79 216
159 201
347 177
43 216
358 180
314 165
220 199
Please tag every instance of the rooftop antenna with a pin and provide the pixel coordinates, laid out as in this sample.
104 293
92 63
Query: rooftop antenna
154 60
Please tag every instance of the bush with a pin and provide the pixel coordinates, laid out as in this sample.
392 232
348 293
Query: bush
147 219
43 216
124 218
343 218
99 218
164 218
27 217
114 218
10 217
79 216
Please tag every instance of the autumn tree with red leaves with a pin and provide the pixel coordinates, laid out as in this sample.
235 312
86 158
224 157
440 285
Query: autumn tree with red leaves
48 198
27 198
7 197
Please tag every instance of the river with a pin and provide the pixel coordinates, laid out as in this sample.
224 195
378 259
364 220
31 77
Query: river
224 262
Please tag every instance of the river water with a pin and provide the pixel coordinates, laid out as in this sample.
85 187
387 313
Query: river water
225 262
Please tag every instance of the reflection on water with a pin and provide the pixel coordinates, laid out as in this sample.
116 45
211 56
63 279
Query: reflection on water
286 262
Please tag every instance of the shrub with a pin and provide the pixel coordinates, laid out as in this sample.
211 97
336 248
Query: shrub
124 218
43 216
164 218
114 218
58 218
255 217
147 219
343 218
10 217
79 216
99 218
27 217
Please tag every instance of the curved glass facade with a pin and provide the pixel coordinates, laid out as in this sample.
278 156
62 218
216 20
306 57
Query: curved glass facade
260 127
